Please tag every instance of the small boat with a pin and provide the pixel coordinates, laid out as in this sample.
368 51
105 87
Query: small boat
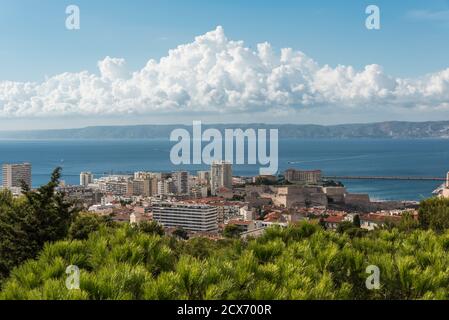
439 189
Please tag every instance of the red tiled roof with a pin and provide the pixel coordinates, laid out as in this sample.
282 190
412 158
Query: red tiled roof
271 219
239 222
334 219
273 215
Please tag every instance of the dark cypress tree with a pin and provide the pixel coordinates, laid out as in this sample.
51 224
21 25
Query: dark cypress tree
356 221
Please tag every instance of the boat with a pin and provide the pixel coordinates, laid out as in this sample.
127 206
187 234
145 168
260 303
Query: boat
439 190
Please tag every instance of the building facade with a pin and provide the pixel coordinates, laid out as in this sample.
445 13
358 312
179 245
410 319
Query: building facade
203 177
195 218
220 176
303 176
181 180
86 178
15 174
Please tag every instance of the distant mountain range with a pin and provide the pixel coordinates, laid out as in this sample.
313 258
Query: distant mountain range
393 130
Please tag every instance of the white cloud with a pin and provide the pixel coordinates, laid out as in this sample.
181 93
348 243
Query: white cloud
215 74
113 68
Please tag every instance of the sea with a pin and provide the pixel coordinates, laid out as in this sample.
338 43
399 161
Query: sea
342 157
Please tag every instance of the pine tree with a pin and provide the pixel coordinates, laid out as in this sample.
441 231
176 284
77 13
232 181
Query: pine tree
30 221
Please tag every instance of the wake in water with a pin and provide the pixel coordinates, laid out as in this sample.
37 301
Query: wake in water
329 159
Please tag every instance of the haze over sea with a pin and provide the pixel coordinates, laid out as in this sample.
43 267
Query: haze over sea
355 157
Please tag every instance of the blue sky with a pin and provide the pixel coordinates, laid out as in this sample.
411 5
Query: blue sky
413 40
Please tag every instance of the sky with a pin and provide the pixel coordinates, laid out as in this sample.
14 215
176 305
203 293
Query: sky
174 61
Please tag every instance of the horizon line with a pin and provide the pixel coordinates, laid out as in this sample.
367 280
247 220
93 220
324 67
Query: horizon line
226 123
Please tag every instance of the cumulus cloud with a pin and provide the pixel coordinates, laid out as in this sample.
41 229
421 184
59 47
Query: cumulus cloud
113 68
215 74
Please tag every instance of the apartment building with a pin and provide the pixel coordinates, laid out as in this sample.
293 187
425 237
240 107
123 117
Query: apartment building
220 176
86 178
14 174
190 217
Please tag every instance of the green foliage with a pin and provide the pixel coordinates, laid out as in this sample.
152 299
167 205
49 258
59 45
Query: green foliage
231 231
181 234
139 262
151 227
434 214
200 248
299 262
408 223
84 224
356 221
30 221
345 226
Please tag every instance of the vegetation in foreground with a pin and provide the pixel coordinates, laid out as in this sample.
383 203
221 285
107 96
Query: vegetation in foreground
302 262
40 236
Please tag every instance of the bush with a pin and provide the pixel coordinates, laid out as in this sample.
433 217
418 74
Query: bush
151 227
231 231
301 262
84 225
434 214
181 234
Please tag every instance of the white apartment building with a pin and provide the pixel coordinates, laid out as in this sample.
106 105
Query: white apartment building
86 178
117 185
14 174
195 218
220 176
166 187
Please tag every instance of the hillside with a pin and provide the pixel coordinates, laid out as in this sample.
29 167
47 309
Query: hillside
394 130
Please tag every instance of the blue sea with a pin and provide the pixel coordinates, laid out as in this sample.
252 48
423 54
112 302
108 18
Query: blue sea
355 157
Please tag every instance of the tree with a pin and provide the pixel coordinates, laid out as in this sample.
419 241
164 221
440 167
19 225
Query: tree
84 225
322 223
151 227
231 231
434 214
301 262
30 221
200 248
181 233
344 226
356 221
408 222
124 203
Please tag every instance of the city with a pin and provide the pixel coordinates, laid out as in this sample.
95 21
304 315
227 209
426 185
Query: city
195 159
208 203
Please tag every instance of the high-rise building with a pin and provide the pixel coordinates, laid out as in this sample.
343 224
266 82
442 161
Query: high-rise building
203 177
220 176
196 218
160 188
166 187
181 180
140 187
148 178
86 178
15 174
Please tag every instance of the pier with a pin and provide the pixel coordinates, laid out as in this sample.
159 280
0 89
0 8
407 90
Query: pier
401 178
